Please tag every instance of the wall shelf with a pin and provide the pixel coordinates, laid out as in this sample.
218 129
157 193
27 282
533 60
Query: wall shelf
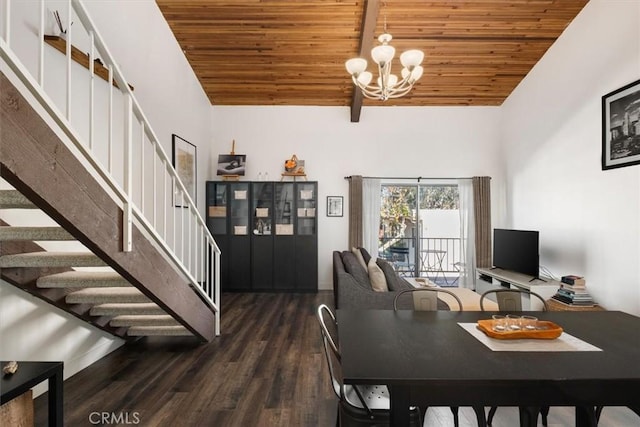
80 57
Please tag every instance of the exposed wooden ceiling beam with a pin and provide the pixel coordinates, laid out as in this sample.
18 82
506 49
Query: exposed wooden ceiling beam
367 34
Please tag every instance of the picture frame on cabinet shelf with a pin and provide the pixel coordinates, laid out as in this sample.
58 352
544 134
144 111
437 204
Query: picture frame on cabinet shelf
184 159
335 206
621 127
231 164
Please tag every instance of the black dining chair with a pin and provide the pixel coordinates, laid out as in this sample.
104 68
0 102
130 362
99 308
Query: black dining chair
597 411
511 300
358 405
426 299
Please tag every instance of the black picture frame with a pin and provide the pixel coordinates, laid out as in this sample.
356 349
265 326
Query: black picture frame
335 206
184 158
621 127
231 164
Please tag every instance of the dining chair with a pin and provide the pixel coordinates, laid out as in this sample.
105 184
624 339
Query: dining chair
358 405
511 300
597 411
426 299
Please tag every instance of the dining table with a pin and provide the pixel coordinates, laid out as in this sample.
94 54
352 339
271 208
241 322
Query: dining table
440 358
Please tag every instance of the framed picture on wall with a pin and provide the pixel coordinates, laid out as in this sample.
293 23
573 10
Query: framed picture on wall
184 159
621 127
335 206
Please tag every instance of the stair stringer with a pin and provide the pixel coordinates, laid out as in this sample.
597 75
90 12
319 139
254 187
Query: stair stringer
35 161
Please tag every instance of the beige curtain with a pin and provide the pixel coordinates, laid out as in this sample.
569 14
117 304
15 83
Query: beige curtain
482 215
355 211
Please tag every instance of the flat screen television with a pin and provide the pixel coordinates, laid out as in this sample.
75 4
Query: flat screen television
516 250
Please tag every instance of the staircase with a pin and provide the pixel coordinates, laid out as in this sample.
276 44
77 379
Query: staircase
144 267
101 294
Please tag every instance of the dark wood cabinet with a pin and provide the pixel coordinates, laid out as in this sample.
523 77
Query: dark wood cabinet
262 238
228 221
267 232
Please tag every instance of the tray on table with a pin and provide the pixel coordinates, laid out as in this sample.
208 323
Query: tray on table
546 331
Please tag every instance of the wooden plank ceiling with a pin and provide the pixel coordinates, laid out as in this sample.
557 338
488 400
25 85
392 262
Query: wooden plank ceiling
283 52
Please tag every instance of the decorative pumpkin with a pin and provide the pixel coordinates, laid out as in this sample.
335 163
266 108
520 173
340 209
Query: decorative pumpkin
291 164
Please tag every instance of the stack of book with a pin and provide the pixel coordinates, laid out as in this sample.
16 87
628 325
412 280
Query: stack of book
573 291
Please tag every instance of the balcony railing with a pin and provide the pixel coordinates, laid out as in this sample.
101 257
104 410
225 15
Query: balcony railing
438 258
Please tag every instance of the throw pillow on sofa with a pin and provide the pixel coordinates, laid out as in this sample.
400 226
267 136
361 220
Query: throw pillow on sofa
353 267
359 257
393 280
376 277
365 255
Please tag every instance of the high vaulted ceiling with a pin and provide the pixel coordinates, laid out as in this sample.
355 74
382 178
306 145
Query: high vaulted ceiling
285 52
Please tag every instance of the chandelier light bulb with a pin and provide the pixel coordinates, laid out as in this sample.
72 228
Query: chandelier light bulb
382 54
356 65
386 85
365 78
416 73
413 75
411 58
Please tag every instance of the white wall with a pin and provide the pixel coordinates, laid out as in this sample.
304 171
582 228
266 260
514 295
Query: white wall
32 330
391 142
165 85
551 132
174 102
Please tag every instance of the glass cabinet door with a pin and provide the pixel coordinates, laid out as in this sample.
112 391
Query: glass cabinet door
306 209
262 202
239 193
284 200
217 207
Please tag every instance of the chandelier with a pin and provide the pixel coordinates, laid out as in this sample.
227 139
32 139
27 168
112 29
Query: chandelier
387 85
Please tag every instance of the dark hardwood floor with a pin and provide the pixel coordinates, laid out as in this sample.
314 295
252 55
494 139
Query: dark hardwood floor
266 369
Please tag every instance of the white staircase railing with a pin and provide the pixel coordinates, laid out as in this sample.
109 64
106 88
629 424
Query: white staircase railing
135 169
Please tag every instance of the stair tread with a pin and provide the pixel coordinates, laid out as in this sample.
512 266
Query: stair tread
115 309
81 279
13 199
143 320
106 295
34 233
158 330
51 259
114 290
149 317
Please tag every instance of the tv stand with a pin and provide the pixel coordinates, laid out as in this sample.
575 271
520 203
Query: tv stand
510 279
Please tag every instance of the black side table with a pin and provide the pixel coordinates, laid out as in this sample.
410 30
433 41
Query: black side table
29 375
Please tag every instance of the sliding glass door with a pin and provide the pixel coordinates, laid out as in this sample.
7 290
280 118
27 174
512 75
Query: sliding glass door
398 237
420 230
